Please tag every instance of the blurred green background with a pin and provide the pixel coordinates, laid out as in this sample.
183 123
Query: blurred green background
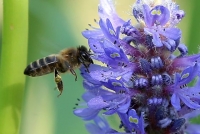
36 28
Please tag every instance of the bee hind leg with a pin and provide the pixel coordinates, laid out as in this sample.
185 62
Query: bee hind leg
58 81
87 69
59 94
74 73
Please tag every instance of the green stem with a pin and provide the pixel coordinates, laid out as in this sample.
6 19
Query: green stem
13 61
193 42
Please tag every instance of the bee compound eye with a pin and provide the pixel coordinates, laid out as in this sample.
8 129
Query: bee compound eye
84 56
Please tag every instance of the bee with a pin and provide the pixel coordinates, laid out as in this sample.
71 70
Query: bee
66 61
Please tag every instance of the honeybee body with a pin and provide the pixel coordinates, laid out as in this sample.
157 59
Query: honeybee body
64 61
67 60
47 65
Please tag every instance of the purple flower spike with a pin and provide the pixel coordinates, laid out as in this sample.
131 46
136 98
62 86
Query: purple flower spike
146 76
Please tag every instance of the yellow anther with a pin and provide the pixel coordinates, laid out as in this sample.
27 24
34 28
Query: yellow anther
156 12
116 84
133 120
112 32
114 55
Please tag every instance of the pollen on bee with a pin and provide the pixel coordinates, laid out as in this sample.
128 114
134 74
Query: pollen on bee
58 79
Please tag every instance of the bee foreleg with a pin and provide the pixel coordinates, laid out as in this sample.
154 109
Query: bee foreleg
84 65
74 73
87 68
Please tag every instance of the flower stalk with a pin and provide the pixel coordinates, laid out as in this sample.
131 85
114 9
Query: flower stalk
13 59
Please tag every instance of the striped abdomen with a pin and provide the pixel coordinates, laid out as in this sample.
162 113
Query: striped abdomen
43 66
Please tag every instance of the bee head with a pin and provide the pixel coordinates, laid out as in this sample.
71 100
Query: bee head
84 56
